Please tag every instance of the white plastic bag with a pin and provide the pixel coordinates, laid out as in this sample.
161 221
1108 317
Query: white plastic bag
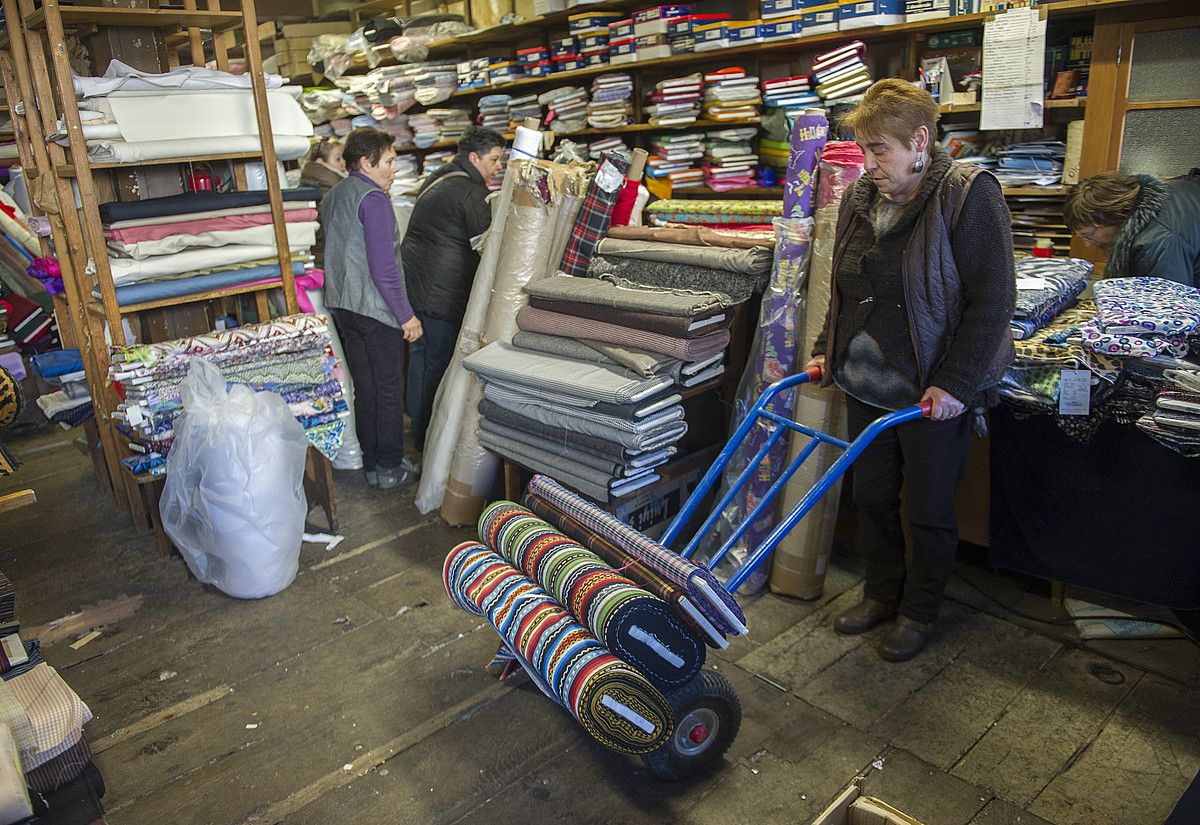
234 500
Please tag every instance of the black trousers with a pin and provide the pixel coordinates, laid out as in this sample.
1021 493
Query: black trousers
374 355
428 359
928 458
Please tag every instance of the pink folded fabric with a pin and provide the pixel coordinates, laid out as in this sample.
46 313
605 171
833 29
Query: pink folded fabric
532 319
158 231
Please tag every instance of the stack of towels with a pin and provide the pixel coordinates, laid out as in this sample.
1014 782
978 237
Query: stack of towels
493 112
675 157
200 241
563 400
286 356
730 95
520 108
612 101
730 159
841 74
436 125
566 109
676 102
435 85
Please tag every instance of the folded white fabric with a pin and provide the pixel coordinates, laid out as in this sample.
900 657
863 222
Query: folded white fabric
211 213
287 147
303 233
130 271
53 403
190 115
123 76
14 795
542 371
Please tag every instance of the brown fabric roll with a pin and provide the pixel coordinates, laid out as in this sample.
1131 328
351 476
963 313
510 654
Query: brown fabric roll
695 236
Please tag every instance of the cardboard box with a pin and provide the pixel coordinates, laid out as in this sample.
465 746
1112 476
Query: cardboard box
683 44
587 21
543 7
651 510
820 16
852 808
779 8
958 7
783 29
622 48
620 29
747 31
656 20
859 14
926 9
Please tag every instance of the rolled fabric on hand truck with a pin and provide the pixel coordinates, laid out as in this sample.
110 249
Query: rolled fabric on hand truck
634 624
701 586
615 704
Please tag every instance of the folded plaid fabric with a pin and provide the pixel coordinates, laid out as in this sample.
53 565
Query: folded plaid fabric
56 713
595 214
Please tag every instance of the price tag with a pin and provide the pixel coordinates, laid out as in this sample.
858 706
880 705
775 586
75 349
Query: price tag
1075 392
1031 283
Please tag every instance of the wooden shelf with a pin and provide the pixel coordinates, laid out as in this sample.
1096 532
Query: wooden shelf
1069 103
67 170
630 129
747 192
712 384
159 18
224 292
1036 191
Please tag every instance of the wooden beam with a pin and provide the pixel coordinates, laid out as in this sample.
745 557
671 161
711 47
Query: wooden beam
21 498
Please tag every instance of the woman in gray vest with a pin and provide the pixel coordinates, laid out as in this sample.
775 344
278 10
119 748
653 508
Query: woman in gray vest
923 293
364 288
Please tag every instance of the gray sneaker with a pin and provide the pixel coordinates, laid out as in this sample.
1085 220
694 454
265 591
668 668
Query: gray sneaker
372 478
391 478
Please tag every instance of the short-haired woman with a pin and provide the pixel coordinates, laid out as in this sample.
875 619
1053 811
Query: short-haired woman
922 296
1149 226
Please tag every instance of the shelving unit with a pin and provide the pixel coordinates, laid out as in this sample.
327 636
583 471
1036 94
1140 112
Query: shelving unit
36 64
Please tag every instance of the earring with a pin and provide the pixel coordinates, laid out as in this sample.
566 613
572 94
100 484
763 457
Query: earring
919 166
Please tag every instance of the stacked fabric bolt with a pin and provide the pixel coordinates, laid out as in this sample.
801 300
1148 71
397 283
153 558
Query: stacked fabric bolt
676 158
452 122
597 148
1142 317
1045 287
493 112
202 241
789 93
407 178
434 86
717 213
25 324
185 112
730 159
286 356
426 131
520 108
675 102
566 109
612 101
841 74
1174 419
730 95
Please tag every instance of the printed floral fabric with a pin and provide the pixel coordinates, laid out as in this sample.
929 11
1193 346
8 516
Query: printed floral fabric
1102 340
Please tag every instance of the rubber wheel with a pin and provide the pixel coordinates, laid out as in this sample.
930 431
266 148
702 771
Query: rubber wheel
707 717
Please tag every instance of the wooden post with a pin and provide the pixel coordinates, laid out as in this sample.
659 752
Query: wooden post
266 138
194 39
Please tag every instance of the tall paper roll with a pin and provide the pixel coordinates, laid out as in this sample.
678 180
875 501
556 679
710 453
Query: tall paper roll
527 142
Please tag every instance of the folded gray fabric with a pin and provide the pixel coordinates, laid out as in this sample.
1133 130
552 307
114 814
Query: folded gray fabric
493 412
755 261
630 440
501 392
737 286
588 486
644 365
623 293
633 411
636 360
568 448
686 349
543 373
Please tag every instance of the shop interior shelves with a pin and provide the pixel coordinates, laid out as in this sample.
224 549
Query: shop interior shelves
631 129
1066 103
97 306
1037 191
67 170
158 18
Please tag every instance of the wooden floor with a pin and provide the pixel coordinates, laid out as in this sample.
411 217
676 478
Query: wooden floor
358 695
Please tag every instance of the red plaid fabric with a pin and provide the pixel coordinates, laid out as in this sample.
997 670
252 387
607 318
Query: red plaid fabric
595 215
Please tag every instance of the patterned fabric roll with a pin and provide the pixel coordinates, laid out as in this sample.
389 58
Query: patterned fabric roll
595 214
616 705
701 586
634 624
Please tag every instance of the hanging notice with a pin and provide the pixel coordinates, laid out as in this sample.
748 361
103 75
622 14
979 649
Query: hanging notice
1014 54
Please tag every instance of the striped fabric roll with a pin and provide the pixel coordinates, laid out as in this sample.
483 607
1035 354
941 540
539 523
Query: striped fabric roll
702 587
636 570
637 626
616 705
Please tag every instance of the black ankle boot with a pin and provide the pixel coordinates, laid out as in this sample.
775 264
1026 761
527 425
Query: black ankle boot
863 616
905 639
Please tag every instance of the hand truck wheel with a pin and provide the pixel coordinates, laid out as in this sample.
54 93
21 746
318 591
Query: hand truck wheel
707 717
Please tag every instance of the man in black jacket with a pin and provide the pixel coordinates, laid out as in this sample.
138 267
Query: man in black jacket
439 263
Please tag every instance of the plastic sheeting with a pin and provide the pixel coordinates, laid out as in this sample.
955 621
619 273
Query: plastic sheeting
776 352
802 557
532 218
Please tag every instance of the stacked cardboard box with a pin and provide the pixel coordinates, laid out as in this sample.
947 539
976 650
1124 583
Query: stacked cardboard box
296 39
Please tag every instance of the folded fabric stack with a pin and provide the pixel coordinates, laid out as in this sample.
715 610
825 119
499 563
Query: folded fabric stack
397 127
182 113
714 213
1174 421
597 148
1142 317
675 102
612 101
70 405
790 93
731 94
435 85
435 161
286 356
1045 287
25 325
730 159
407 179
426 131
841 74
452 122
566 109
520 108
43 717
201 241
493 112
676 158
1036 163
